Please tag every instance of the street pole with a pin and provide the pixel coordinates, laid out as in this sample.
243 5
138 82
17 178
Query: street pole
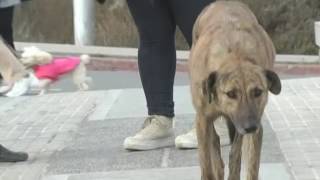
84 22
317 34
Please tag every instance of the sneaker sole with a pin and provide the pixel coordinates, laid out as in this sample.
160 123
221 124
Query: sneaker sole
19 90
186 145
4 89
149 145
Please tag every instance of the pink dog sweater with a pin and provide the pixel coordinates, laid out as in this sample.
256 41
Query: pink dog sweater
56 68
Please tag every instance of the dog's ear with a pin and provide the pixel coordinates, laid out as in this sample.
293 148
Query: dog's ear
274 83
208 86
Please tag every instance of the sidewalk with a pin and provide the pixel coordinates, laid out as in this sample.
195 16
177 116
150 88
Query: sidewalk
78 136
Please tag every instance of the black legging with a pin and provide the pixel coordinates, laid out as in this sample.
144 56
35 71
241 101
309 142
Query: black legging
6 16
156 21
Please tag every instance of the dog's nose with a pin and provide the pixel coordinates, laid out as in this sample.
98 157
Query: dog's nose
251 129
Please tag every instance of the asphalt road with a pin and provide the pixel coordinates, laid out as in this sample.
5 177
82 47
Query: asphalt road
102 80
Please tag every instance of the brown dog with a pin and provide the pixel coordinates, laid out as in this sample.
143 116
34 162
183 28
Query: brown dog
231 73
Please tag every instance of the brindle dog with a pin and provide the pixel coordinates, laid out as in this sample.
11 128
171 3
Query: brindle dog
231 73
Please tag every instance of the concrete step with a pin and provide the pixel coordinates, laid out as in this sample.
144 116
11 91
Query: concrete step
274 171
130 103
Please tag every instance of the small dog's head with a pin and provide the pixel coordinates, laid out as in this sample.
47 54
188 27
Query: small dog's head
34 56
240 93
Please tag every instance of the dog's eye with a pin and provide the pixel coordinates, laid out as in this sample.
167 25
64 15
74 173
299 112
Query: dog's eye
257 92
232 94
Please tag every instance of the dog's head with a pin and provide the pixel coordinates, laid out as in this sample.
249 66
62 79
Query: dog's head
240 93
34 56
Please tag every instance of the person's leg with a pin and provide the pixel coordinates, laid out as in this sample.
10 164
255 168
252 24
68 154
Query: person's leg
15 76
6 18
185 14
156 56
10 67
156 59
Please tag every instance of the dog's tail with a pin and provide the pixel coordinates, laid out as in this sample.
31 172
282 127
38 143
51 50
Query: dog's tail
85 58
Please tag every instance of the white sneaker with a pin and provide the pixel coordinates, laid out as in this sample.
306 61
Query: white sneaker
157 132
19 88
190 141
5 88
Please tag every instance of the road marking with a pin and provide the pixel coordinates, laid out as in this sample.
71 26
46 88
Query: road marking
104 105
165 158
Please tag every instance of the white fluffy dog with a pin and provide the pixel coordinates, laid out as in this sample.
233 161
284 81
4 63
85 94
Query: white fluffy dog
47 69
32 56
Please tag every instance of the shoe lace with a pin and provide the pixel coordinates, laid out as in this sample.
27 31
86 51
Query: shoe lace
148 121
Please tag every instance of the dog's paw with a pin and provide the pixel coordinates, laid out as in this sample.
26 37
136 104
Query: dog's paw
42 92
83 87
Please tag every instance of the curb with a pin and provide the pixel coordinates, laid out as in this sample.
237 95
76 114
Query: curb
130 64
126 52
125 59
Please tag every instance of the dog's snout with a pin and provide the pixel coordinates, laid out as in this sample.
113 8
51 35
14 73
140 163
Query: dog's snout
251 129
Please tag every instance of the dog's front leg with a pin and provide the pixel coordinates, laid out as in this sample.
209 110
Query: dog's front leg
204 131
216 158
44 85
42 92
235 157
212 167
253 162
